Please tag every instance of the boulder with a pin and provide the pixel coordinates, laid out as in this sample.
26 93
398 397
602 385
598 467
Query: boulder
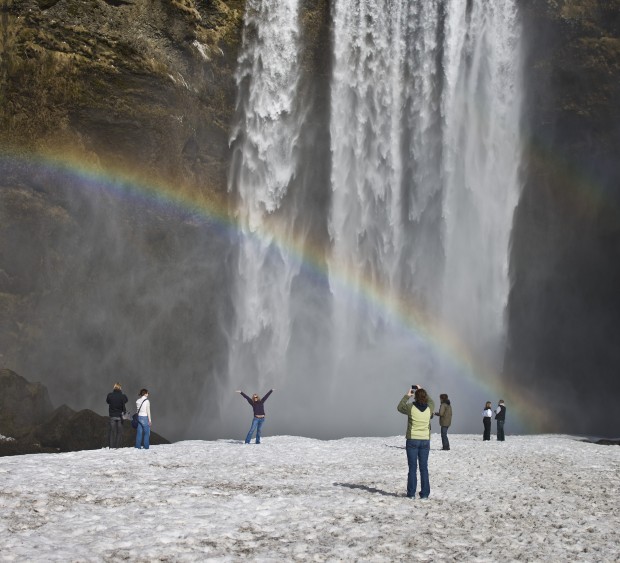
23 405
67 430
28 419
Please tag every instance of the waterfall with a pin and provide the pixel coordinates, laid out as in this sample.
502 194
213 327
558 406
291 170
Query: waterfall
385 146
425 150
481 106
425 142
263 166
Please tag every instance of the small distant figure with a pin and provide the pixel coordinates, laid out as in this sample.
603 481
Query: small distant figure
143 432
418 444
258 406
500 417
117 400
487 414
445 419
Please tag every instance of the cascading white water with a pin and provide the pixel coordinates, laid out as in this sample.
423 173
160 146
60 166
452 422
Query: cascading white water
426 150
424 124
385 157
263 166
481 105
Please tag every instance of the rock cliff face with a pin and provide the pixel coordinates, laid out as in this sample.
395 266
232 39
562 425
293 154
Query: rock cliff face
110 109
564 313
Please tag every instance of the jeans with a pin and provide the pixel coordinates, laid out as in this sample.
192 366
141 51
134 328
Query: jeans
487 428
143 431
500 430
417 453
257 424
115 433
445 443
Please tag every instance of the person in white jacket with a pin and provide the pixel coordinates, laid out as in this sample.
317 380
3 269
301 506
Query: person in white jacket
143 434
487 414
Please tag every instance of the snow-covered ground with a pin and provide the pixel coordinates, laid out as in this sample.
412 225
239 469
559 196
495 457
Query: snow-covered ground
531 498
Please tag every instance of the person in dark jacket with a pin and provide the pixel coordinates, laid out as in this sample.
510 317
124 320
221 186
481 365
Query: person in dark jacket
117 400
500 417
258 407
445 420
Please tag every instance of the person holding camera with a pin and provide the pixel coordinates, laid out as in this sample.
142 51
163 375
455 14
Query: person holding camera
418 437
445 419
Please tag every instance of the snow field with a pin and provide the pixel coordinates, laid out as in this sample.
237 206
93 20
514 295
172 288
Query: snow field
531 498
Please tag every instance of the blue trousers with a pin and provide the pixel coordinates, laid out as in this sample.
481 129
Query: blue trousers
143 432
417 454
257 424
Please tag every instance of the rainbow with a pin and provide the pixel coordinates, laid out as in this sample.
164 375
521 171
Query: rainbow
401 309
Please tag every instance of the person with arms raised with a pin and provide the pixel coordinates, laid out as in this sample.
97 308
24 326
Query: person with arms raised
258 407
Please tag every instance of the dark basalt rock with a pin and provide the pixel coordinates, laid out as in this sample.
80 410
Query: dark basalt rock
564 308
66 430
26 416
22 404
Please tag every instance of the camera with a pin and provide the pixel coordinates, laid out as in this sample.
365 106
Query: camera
414 387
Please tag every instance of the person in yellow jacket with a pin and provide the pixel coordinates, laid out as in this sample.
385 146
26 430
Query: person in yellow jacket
418 446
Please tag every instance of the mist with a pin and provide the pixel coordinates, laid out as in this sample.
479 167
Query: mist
128 292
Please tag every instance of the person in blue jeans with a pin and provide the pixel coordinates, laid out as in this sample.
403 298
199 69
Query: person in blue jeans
418 444
143 432
258 407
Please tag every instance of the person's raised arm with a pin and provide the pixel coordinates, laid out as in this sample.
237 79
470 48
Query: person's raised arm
244 396
267 395
402 406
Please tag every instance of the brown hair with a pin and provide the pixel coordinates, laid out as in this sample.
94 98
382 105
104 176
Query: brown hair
143 392
421 396
443 397
487 405
117 387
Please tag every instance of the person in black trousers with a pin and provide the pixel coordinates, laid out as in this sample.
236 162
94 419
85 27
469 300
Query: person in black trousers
117 400
487 414
500 417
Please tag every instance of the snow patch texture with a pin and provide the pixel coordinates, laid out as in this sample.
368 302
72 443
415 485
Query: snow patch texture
530 498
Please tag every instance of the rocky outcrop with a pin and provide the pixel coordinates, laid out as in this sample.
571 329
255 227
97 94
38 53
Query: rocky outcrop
564 310
33 426
22 404
67 431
